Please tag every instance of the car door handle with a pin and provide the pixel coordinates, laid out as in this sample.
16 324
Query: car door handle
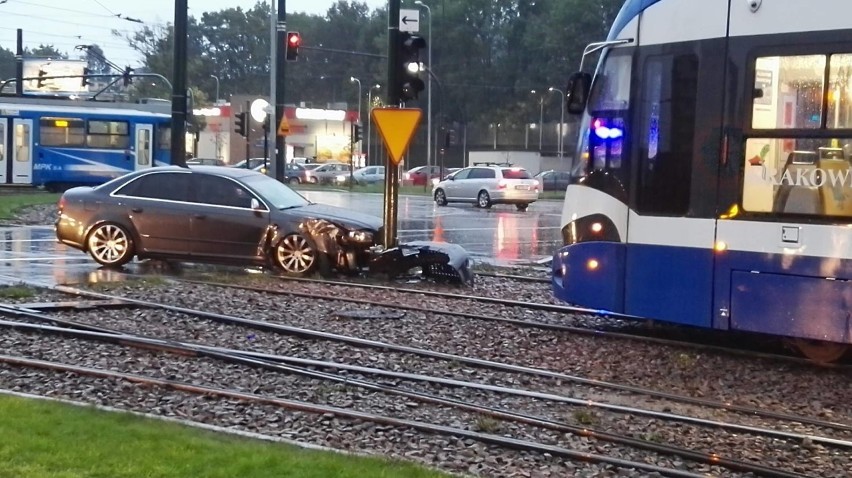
136 209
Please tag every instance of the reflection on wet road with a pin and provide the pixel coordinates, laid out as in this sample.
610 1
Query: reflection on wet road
500 235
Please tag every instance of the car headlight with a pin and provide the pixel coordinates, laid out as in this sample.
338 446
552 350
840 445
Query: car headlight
341 178
363 237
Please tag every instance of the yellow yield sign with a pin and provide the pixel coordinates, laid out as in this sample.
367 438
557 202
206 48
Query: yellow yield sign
397 126
284 127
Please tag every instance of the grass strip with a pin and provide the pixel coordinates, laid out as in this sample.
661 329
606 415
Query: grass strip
53 440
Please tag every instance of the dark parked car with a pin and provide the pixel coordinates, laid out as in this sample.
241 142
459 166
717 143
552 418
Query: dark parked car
293 174
210 214
554 180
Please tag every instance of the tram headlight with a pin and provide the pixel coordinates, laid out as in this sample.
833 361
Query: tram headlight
593 264
597 227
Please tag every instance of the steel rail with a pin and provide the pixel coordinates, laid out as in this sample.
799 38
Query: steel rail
277 328
507 320
514 277
350 414
247 358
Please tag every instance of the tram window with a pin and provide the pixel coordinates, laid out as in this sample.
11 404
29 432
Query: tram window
108 134
788 92
164 137
806 176
611 91
840 92
62 131
666 134
2 142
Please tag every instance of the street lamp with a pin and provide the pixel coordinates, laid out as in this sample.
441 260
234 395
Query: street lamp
428 90
562 100
540 119
217 87
370 120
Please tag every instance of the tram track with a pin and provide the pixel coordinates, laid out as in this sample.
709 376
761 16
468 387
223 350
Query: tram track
349 340
552 323
274 363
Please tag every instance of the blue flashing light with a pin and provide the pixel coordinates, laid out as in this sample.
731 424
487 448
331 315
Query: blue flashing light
604 132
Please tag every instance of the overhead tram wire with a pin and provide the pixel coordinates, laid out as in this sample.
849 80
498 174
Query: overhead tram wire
49 19
51 7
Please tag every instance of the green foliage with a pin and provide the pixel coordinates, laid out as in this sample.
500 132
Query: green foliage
40 440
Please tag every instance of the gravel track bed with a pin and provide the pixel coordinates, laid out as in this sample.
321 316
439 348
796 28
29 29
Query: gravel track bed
448 453
801 457
245 379
801 390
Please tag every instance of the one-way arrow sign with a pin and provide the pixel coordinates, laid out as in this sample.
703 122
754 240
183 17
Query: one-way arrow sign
409 20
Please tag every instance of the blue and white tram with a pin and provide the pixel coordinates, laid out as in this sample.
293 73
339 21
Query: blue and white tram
60 143
717 147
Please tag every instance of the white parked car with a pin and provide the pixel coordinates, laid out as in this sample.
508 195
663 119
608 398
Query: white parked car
487 185
369 175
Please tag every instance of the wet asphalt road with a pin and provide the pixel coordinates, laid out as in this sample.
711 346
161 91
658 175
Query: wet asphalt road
500 235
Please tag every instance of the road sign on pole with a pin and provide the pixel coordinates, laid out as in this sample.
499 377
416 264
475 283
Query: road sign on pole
284 127
396 126
409 20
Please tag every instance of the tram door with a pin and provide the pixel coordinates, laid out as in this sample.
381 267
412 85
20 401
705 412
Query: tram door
22 151
144 146
4 148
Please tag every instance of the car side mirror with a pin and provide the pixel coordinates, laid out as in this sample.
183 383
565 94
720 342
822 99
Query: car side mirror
451 178
255 204
578 92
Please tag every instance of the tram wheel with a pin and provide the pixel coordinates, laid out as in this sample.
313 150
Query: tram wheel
821 351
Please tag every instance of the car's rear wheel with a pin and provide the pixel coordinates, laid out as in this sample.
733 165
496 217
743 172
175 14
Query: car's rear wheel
293 181
522 207
110 245
483 200
440 197
313 180
296 255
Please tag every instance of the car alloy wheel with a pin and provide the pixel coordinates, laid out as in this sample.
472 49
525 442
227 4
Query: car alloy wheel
440 197
293 181
110 245
295 255
483 200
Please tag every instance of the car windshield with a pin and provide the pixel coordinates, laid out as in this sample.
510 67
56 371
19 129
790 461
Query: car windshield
515 173
276 194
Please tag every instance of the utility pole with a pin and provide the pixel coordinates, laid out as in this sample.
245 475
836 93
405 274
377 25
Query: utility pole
179 91
280 84
429 94
19 64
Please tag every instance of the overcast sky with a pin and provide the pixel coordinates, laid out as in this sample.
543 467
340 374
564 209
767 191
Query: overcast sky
65 24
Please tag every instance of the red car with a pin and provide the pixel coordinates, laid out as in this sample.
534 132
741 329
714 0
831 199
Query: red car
421 175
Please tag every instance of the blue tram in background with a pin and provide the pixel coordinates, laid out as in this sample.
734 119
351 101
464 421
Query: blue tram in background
57 143
716 142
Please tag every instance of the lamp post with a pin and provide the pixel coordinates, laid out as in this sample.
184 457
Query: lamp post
217 87
562 100
352 79
428 90
540 119
370 120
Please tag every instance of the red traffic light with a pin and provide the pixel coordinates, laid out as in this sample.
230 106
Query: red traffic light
294 41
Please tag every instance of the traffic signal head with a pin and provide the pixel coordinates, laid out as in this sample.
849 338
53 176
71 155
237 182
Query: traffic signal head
240 124
409 66
126 76
356 133
294 41
85 80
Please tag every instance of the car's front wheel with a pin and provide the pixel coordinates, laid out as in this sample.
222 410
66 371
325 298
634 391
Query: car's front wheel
293 181
440 197
296 255
110 245
313 180
522 207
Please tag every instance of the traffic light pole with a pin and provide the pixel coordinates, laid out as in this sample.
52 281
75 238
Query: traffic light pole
280 84
393 99
178 151
248 133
